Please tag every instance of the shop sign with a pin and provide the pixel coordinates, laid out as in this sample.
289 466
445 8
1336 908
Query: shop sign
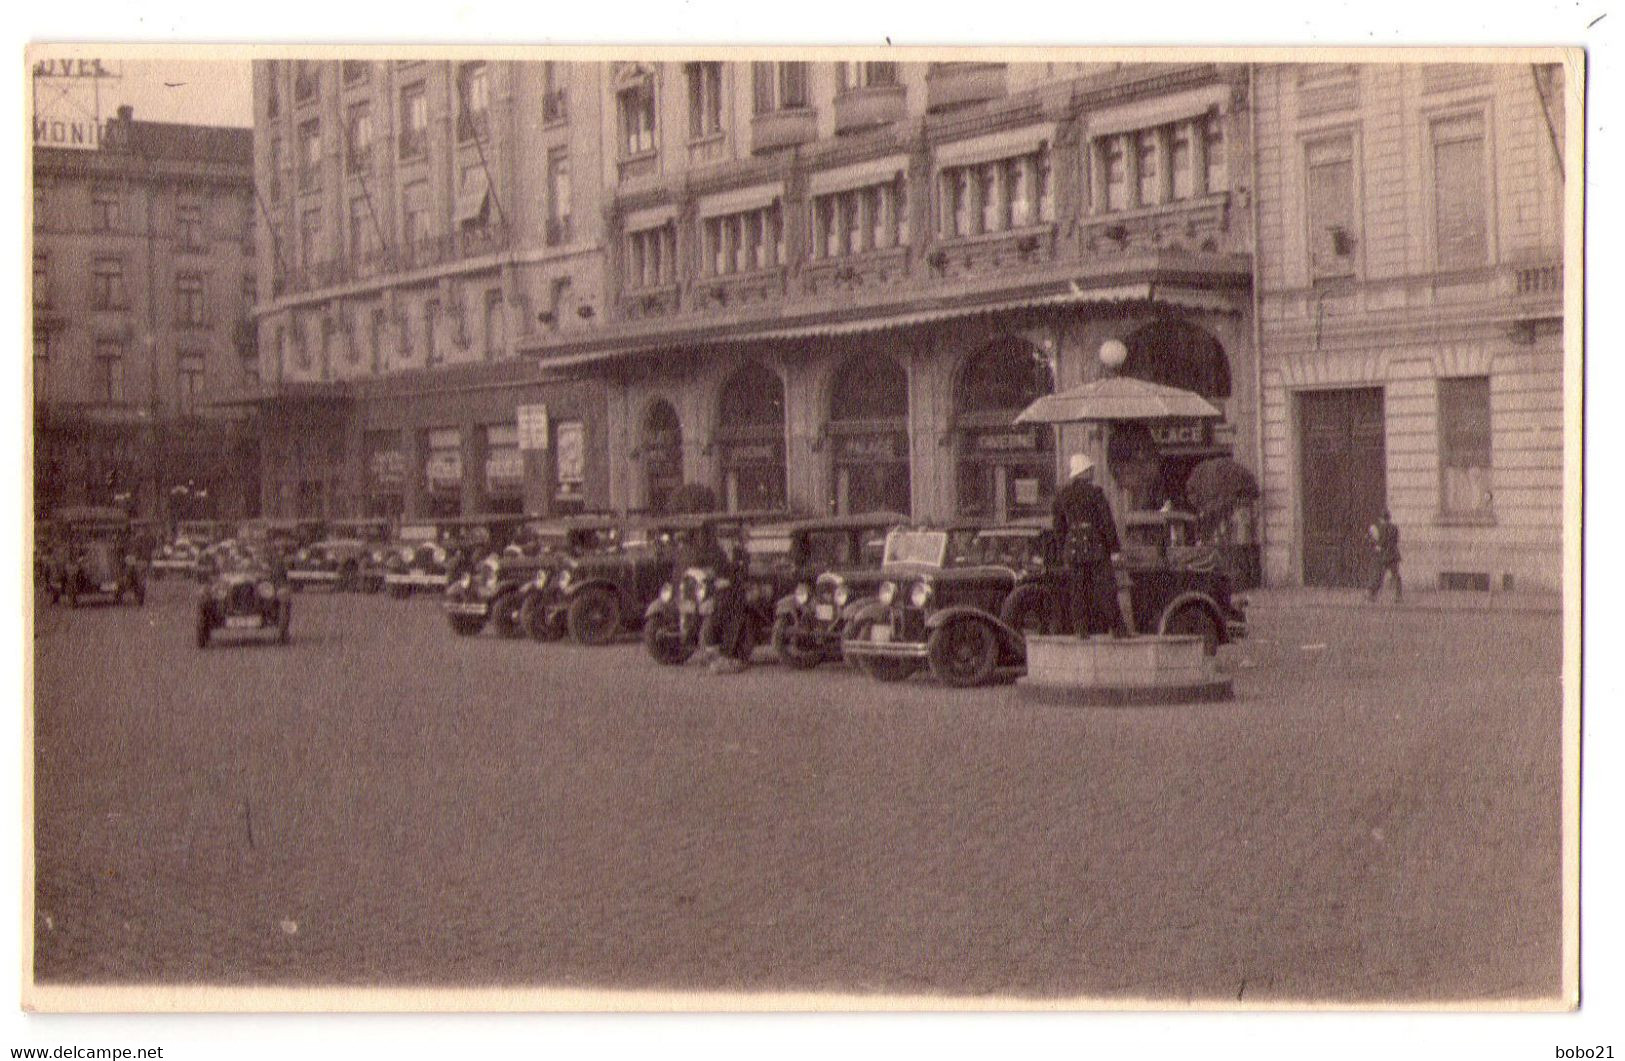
572 456
533 427
890 446
444 469
1182 432
504 467
1019 441
388 466
753 453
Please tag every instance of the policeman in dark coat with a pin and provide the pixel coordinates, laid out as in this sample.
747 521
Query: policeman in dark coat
1088 537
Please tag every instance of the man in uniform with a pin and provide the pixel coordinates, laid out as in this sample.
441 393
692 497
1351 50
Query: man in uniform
1088 537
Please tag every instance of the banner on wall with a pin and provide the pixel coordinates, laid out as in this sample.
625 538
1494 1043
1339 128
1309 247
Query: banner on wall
533 427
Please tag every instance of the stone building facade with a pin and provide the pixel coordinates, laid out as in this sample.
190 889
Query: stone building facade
1410 278
143 283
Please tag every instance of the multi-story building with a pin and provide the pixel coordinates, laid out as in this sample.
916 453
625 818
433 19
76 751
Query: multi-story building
424 225
831 286
816 285
1410 280
143 281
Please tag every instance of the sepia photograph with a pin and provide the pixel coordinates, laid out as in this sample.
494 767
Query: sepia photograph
720 529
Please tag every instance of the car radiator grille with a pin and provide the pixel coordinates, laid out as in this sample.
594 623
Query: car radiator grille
243 598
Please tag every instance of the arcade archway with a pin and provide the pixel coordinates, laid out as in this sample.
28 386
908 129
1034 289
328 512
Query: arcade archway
750 439
868 433
1004 471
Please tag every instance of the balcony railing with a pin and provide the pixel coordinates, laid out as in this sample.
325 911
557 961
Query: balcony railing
869 106
783 128
956 84
471 242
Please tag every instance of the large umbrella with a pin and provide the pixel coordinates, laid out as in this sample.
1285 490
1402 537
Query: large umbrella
1116 398
1217 485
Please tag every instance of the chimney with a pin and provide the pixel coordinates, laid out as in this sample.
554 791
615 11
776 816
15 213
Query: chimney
126 113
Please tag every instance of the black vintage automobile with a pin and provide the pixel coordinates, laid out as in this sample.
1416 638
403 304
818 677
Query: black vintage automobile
91 556
432 554
938 604
249 592
964 607
674 622
600 588
497 589
179 555
836 564
336 560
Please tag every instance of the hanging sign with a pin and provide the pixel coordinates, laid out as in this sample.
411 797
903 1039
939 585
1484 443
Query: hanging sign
533 427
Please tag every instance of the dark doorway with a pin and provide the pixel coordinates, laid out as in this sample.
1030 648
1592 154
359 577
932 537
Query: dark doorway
868 424
1343 480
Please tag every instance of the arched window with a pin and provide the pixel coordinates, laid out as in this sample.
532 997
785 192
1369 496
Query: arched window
1180 354
661 448
868 423
750 437
1005 471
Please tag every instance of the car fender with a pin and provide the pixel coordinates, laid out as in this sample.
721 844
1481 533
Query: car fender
576 589
1010 639
658 607
866 611
1197 597
787 605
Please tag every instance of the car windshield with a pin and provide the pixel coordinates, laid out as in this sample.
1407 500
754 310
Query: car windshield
1004 550
916 547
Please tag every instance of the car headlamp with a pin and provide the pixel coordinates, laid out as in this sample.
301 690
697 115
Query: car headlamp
667 593
842 595
803 594
887 593
702 589
565 578
267 589
920 595
542 577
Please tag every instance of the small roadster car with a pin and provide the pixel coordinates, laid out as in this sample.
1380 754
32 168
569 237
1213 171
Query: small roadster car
249 594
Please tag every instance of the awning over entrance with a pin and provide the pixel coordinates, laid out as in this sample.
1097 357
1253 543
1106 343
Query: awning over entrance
1192 298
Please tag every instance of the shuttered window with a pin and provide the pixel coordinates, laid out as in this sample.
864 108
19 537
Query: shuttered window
1460 210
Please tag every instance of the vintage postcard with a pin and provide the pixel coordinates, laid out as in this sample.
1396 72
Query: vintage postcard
803 528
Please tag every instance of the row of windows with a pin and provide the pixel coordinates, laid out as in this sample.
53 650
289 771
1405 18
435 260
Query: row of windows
1458 190
107 214
996 196
435 326
108 376
108 289
1149 167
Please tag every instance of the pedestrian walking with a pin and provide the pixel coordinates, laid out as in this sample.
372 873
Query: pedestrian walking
1385 552
1088 535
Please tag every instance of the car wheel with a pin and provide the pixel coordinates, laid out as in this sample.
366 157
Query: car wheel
1195 621
534 618
284 622
789 647
594 617
881 668
202 628
466 625
505 614
963 653
664 640
1030 610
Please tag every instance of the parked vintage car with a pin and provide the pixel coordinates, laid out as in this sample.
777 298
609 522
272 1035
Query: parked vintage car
178 555
432 553
600 588
250 592
965 610
836 562
336 560
937 604
494 592
92 556
674 622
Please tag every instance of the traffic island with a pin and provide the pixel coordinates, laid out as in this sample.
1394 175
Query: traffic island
1109 672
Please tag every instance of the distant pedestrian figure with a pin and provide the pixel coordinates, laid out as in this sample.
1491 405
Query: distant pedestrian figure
1088 537
1385 549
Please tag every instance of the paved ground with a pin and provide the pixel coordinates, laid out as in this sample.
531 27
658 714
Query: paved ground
1375 817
